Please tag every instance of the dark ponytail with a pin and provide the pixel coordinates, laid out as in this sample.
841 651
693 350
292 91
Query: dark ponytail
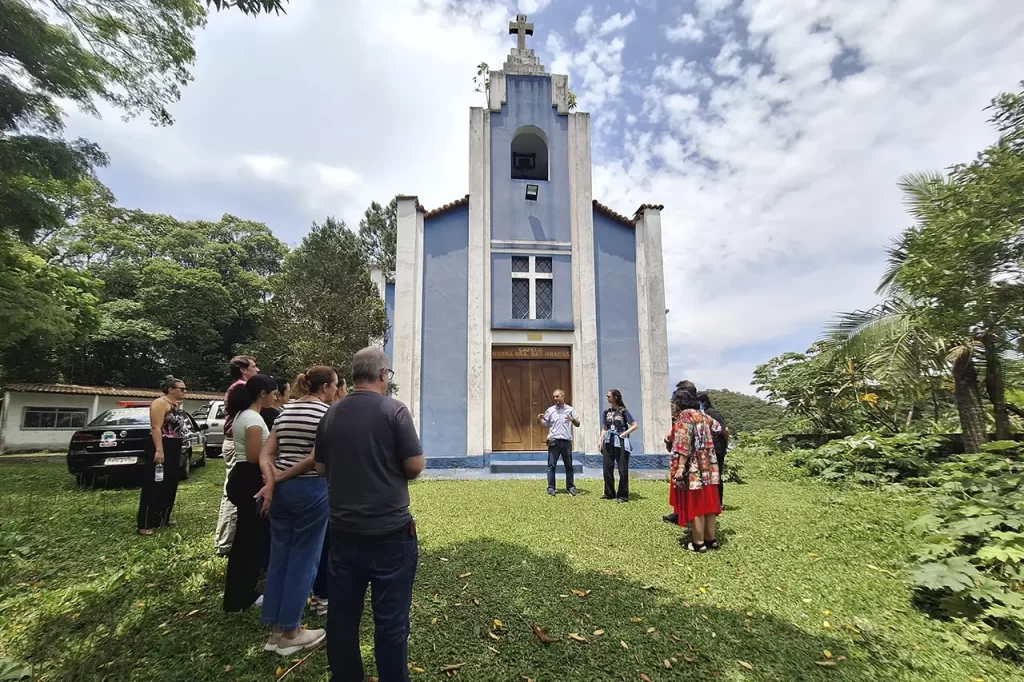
241 397
168 383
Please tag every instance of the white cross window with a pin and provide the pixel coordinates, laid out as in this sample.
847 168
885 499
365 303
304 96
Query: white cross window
532 287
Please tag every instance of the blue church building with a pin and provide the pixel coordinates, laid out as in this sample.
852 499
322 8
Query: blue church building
526 285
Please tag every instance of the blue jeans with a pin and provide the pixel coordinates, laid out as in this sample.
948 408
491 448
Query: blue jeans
561 449
298 516
388 565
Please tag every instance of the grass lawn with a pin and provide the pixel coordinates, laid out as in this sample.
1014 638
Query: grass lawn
805 570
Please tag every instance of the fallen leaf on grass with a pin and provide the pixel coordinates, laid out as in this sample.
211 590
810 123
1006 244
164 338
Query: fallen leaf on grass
812 555
278 672
624 645
191 613
598 633
648 587
477 602
433 621
778 588
498 623
806 601
688 659
746 665
826 625
827 612
443 559
465 575
580 593
650 630
828 654
544 637
634 619
841 658
493 649
645 678
826 664
494 636
668 664
228 668
880 570
577 637
414 668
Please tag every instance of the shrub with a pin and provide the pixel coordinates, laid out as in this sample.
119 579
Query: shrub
971 567
871 458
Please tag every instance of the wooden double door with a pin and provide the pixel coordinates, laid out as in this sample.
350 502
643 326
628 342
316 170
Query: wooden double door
522 389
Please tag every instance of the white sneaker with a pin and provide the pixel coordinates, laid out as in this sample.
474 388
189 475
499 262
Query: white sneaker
259 601
275 639
305 640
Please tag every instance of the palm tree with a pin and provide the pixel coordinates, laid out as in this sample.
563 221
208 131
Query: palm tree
898 338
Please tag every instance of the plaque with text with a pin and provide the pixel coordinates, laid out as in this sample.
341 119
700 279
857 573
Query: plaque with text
531 352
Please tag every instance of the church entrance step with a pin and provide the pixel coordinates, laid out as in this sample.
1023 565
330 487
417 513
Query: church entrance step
531 467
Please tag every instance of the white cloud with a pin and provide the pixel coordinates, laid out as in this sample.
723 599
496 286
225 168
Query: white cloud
686 30
595 68
616 22
533 6
780 184
585 21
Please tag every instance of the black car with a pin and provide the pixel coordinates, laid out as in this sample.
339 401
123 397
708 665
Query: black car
114 444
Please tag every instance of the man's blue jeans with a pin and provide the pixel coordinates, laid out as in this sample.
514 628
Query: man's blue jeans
388 565
561 449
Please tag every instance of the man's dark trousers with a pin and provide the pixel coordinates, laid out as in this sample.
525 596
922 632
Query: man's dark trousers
387 564
560 449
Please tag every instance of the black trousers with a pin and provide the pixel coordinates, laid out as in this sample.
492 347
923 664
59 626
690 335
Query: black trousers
248 554
720 456
561 449
612 457
156 501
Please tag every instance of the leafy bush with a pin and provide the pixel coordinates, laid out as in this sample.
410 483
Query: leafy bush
971 567
872 459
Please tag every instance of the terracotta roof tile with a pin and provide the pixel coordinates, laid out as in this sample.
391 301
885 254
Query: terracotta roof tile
604 210
644 207
447 207
104 390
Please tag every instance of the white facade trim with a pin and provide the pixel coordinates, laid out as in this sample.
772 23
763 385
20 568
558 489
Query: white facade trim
478 352
408 332
527 243
522 337
653 328
496 94
584 360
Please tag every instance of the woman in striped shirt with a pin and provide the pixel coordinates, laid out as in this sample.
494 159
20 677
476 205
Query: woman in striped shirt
297 501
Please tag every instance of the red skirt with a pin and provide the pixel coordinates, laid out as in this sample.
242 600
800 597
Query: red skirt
689 504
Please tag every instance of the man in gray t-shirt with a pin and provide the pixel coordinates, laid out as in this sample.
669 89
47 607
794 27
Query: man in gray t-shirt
368 449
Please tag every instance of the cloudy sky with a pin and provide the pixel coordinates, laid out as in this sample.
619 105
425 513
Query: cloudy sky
774 132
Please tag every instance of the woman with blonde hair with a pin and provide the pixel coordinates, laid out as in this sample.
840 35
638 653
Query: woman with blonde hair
296 498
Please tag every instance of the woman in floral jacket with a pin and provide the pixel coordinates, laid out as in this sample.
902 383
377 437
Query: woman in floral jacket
694 471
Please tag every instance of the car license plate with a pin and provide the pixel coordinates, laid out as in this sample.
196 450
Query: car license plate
116 461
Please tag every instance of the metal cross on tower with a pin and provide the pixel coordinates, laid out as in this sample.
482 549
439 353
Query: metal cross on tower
521 28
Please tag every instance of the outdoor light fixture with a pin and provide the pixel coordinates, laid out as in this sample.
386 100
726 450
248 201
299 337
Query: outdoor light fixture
531 192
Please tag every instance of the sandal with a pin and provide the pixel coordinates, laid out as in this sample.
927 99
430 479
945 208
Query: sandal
712 544
697 547
146 531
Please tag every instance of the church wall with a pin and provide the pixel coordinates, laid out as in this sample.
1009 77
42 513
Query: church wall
445 338
618 333
512 216
501 294
389 307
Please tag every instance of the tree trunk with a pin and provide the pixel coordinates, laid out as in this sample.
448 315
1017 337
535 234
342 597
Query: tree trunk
996 387
910 416
968 403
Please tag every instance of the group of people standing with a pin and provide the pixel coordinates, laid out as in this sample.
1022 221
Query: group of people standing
697 443
316 497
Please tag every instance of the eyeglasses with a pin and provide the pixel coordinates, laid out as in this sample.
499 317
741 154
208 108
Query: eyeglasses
391 374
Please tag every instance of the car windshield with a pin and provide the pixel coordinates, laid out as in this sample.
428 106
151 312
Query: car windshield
132 416
200 414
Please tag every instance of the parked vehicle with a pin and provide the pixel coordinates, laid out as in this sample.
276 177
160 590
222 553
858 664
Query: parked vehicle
114 444
213 415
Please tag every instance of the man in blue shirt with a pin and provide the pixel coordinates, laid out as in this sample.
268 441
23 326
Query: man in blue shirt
559 418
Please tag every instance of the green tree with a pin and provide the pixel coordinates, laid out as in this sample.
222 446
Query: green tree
325 307
746 413
378 232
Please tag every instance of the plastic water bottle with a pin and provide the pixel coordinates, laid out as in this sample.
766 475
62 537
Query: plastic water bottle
159 473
